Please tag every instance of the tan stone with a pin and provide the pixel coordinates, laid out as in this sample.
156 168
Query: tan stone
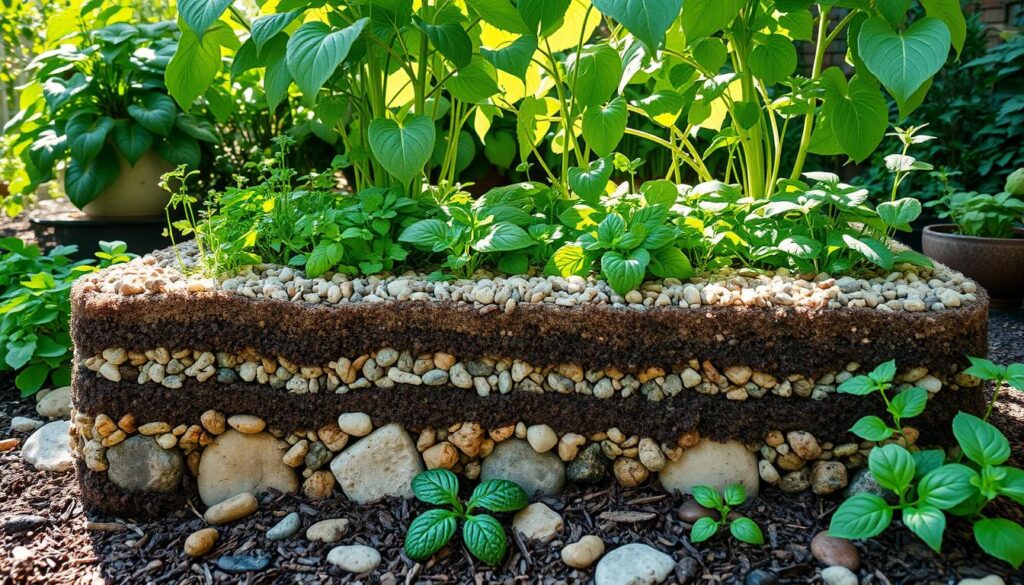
154 428
201 542
213 421
234 508
584 552
501 433
332 437
237 462
295 456
319 485
247 423
468 438
630 472
442 455
327 530
689 439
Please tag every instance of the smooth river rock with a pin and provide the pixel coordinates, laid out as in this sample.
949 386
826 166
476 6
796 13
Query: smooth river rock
537 522
712 464
55 404
380 465
633 564
235 463
49 449
354 558
540 474
139 464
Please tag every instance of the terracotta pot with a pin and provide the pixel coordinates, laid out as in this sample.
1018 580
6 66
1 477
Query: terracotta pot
997 264
135 193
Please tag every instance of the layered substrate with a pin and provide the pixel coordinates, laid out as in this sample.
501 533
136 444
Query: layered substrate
270 379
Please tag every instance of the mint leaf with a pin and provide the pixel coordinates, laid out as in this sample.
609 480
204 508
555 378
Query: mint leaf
871 428
485 538
498 495
735 494
857 385
947 486
436 486
625 273
1002 539
927 523
746 530
909 403
429 532
981 442
707 497
893 467
861 516
703 529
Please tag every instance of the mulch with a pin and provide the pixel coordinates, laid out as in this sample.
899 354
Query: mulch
70 546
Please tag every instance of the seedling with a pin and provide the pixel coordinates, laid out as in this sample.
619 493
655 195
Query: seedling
743 529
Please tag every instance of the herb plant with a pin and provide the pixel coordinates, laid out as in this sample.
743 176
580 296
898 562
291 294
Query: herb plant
1012 375
743 529
983 215
926 487
35 309
482 534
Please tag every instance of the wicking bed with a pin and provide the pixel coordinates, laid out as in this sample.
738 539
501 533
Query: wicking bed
350 386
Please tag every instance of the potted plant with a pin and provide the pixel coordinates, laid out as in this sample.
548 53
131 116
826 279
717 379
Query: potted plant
97 109
985 240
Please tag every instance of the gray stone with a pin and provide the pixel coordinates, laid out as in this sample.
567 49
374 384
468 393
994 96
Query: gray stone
634 564
380 465
838 576
515 460
237 462
21 424
49 449
140 464
242 564
227 376
713 464
56 404
286 528
590 466
354 558
863 482
317 456
761 577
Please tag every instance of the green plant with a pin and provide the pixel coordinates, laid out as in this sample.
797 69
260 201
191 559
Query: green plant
925 485
981 214
482 534
98 100
35 310
1012 375
743 529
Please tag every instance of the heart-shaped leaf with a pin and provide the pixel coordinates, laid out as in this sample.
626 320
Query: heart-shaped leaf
402 150
646 19
476 82
449 39
156 113
316 50
193 67
500 14
86 134
85 180
773 58
504 237
900 213
132 140
604 126
266 27
513 57
596 72
590 183
904 61
199 15
704 18
625 272
857 114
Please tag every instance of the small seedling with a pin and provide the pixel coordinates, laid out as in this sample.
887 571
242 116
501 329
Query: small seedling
482 534
906 404
1012 374
742 528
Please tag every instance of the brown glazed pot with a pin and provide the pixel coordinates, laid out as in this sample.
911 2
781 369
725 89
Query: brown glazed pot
997 264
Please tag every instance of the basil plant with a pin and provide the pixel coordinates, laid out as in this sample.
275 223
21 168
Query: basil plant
97 102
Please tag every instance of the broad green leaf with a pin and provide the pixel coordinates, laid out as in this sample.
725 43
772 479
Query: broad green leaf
746 530
648 20
927 523
500 14
131 140
871 428
316 50
500 149
498 495
894 11
927 461
180 149
436 486
659 192
504 237
543 17
884 372
871 249
910 402
947 486
900 213
949 12
276 78
703 18
86 135
84 181
1002 539
402 149
32 378
893 467
625 272
197 128
590 183
594 74
773 58
802 247
611 229
450 39
427 234
57 90
858 116
985 369
513 57
670 262
193 67
474 83
156 113
981 442
735 494
19 354
266 27
324 256
604 126
857 385
904 61
707 496
527 125
429 532
862 516
200 15
571 260
703 529
485 538
1012 485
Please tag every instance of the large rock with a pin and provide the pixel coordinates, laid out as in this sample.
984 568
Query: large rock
712 464
56 404
139 464
515 460
237 462
634 564
49 448
380 465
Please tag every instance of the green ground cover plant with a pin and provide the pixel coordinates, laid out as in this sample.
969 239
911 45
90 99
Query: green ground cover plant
35 309
985 215
482 534
742 528
926 485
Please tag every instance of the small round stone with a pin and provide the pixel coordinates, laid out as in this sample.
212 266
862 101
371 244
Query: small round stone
247 423
835 551
286 528
200 542
242 563
584 552
542 438
357 424
537 522
231 509
838 576
354 558
691 511
761 577
328 530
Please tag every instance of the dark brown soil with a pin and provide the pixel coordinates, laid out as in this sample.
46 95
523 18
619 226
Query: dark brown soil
68 549
773 340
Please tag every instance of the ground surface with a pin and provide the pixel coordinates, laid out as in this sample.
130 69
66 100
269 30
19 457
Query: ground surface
71 546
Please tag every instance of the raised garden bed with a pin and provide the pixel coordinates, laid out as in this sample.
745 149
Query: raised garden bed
269 379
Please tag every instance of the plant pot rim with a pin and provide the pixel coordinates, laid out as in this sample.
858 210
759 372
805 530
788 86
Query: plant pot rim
948 231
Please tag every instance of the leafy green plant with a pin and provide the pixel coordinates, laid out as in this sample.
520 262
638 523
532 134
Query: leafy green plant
482 534
97 102
926 487
743 529
983 369
983 215
35 309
